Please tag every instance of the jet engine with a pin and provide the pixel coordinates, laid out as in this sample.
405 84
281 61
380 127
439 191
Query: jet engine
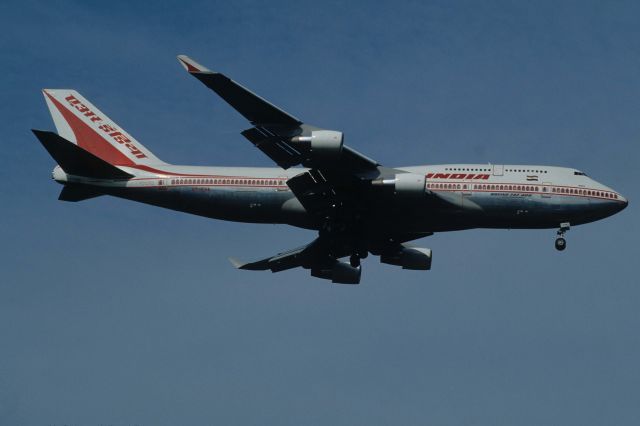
404 184
415 258
324 144
340 273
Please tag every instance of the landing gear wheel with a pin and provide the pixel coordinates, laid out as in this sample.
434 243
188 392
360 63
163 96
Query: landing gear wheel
561 244
354 260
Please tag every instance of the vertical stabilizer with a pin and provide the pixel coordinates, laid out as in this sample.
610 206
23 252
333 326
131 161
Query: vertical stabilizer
80 122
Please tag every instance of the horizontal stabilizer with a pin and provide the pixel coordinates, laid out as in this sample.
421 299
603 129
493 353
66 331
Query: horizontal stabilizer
77 161
75 193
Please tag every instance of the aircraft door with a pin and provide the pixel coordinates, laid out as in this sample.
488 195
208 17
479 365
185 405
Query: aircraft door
498 169
282 183
164 184
466 189
466 195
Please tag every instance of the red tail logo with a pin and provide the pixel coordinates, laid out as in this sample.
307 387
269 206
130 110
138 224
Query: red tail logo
113 132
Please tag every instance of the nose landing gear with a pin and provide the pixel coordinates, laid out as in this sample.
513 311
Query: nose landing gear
561 243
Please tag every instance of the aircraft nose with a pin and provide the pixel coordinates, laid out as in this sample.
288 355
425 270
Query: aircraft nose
623 202
611 205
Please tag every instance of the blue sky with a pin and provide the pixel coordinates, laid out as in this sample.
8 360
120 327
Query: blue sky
118 313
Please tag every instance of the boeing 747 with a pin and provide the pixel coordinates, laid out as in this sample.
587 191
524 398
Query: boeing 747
356 205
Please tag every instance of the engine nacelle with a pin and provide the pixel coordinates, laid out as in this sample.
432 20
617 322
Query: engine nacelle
410 184
415 258
339 273
405 184
324 144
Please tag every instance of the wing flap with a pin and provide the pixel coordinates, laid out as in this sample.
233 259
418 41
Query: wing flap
314 193
274 146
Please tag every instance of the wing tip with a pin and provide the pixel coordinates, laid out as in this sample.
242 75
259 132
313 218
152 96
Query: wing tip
261 265
236 263
190 65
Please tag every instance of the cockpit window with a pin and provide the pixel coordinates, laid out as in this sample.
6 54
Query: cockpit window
579 173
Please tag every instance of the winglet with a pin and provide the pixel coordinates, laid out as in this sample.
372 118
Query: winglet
191 65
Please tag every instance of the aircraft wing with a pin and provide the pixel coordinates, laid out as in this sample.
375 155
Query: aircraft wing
314 254
322 256
337 190
281 136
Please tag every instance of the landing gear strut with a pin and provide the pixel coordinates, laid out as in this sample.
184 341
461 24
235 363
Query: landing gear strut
354 260
561 243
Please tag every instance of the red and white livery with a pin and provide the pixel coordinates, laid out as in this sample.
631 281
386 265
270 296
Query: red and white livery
356 205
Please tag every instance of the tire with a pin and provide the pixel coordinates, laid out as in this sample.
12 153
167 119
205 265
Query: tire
561 244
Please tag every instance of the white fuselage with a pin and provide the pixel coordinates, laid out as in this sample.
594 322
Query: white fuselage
491 196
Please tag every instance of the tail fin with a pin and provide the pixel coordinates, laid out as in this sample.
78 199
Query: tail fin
81 123
76 161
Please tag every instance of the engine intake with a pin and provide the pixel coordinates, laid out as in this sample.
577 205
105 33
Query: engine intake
339 273
415 258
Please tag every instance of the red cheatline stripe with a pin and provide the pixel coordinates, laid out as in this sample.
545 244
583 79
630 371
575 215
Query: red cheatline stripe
164 172
194 175
548 194
90 140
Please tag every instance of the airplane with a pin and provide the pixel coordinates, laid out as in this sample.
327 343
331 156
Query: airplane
357 206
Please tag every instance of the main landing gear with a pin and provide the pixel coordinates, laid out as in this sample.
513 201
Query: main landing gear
561 243
354 260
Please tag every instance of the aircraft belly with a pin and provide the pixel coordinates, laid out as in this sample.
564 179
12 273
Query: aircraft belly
514 210
482 210
457 212
260 206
